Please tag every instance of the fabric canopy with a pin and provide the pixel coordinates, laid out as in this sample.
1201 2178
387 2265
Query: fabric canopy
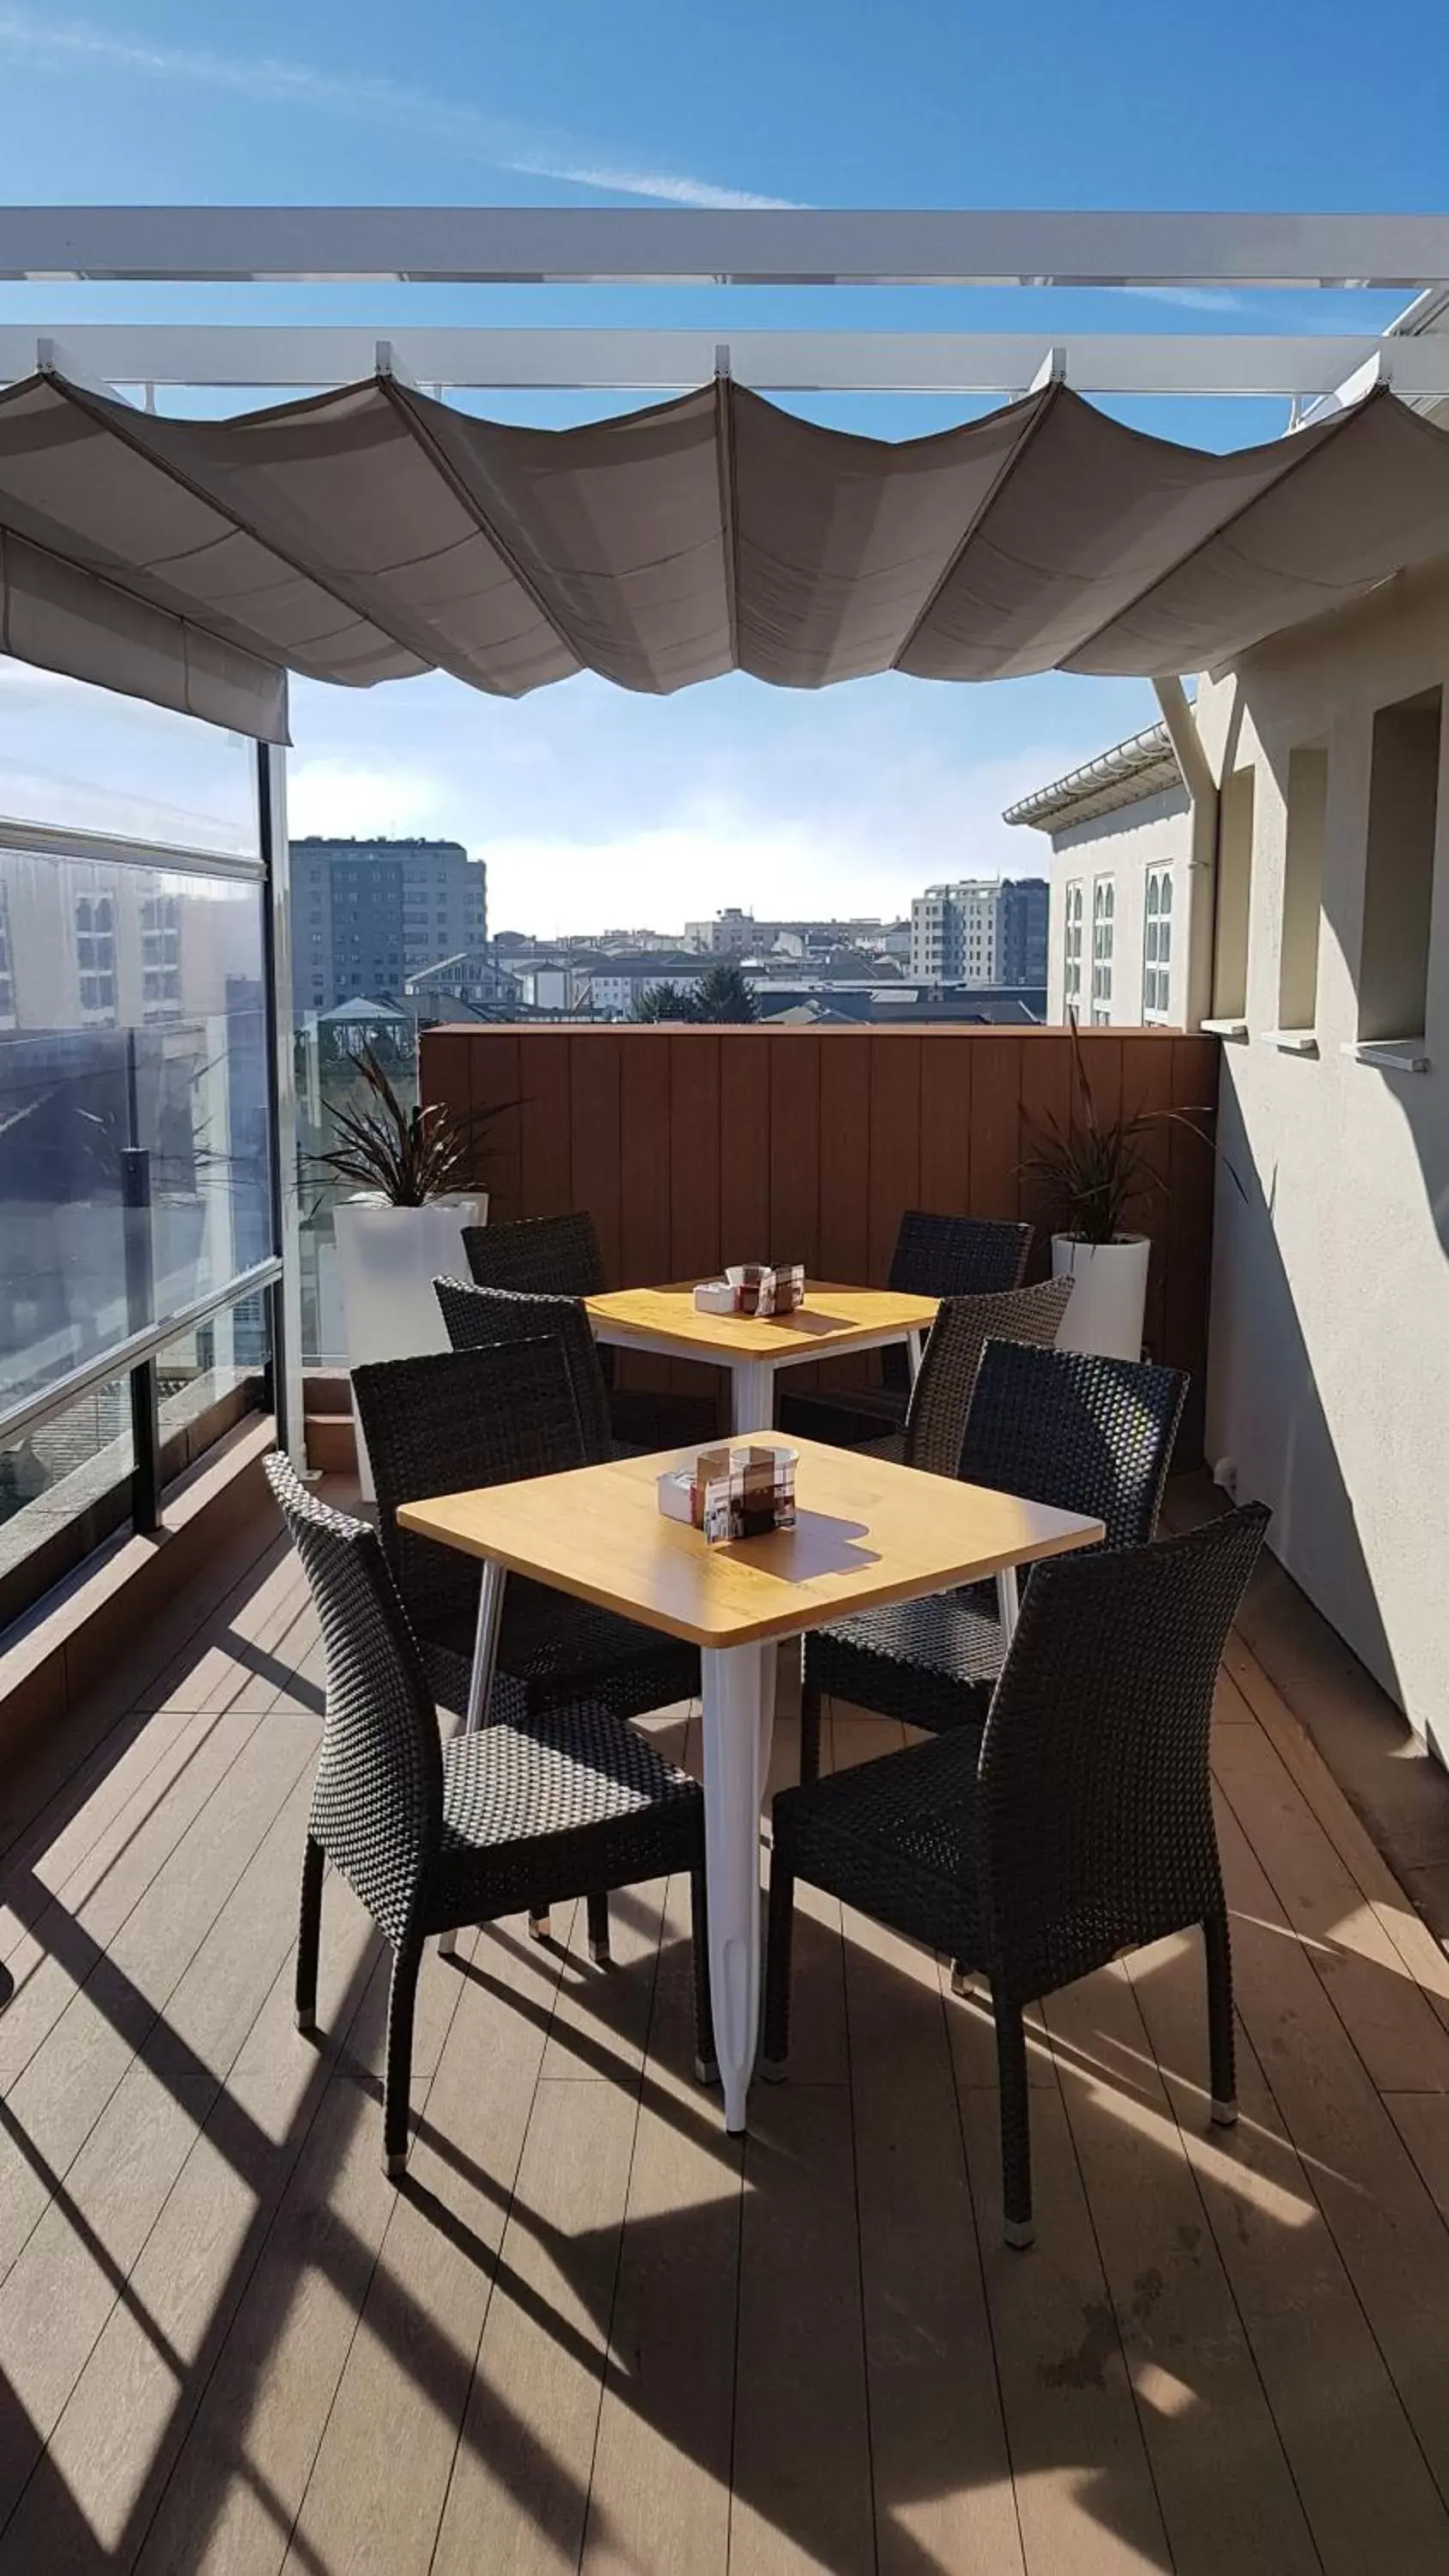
374 533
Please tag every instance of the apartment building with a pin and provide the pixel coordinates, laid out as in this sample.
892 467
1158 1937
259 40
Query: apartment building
367 915
981 930
1120 829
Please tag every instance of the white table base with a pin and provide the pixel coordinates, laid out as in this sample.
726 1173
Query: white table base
739 1709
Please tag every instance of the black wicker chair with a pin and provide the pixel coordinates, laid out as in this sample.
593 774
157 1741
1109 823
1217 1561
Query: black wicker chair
946 1381
487 1319
433 1839
559 1256
456 1420
1067 1428
935 1256
1080 1825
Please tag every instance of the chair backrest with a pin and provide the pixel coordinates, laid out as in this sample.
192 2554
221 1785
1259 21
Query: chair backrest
958 1256
446 1424
547 1256
946 1379
377 1807
1072 1429
952 1256
1094 1809
480 1319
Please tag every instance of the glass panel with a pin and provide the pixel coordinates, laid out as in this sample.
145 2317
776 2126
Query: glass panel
53 1474
75 757
328 1079
223 1357
134 1157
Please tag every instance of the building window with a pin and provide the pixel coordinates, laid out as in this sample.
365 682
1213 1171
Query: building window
1302 888
1403 824
95 949
1157 946
1072 948
161 956
1104 938
1234 896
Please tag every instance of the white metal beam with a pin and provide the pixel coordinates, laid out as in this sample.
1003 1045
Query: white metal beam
530 245
291 355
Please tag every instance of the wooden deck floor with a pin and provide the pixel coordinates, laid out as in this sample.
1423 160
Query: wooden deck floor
592 2332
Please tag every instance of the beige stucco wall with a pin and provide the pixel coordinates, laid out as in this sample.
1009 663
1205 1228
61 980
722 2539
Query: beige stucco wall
1329 1366
1155 832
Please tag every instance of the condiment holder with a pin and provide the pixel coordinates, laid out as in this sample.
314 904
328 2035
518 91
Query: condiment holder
732 1492
753 1288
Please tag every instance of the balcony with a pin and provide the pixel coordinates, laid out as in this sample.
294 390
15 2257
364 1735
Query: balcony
589 2328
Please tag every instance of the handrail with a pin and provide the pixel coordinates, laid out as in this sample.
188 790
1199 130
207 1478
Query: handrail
122 1357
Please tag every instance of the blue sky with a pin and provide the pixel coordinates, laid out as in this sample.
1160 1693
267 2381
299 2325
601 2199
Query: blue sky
593 808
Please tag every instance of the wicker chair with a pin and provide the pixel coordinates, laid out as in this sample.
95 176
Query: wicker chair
446 1424
434 1839
935 1256
486 1319
1080 1825
1062 1427
946 1380
559 1256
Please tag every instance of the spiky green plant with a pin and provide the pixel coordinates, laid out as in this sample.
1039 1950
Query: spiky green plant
1089 1170
407 1155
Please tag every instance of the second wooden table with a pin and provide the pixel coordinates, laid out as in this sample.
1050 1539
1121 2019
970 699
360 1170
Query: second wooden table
832 1321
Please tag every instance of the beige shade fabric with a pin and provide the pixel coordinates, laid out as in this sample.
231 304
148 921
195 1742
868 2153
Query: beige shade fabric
374 533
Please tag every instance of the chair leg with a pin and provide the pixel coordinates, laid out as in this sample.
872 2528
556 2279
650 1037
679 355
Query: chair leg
540 1926
809 1726
706 2065
598 1911
1223 2076
400 2004
309 1933
775 2039
1020 2227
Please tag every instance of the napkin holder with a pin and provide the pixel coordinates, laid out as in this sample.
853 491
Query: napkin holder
732 1493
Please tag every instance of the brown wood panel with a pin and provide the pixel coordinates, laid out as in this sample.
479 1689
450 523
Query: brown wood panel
645 1105
1147 1093
744 1113
995 1126
845 1070
544 1118
496 1087
1047 1090
694 1179
596 1140
946 1078
895 1143
693 1148
795 1153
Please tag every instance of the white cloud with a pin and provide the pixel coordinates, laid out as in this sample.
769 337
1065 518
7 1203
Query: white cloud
595 810
370 97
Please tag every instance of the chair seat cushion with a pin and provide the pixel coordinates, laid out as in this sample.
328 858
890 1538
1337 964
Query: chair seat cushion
897 1838
933 1663
534 1811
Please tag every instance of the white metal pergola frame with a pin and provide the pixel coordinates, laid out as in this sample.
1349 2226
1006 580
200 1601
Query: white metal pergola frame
614 246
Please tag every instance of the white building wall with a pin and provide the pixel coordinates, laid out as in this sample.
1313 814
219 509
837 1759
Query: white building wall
1328 1385
1120 847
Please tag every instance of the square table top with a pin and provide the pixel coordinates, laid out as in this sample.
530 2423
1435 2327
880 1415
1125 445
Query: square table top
867 1532
831 1320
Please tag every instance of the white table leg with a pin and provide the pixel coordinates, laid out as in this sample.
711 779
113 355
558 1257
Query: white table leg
480 1679
1008 1607
752 1397
915 1345
737 1710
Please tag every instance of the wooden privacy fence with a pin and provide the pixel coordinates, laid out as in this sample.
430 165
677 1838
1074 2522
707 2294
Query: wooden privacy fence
693 1147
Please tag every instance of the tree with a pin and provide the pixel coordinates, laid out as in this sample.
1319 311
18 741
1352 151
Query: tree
725 995
664 1001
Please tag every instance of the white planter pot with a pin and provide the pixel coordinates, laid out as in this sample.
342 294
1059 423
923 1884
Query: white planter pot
388 1258
1109 1294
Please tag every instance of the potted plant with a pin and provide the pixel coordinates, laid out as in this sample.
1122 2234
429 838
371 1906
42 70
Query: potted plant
1089 1172
401 1226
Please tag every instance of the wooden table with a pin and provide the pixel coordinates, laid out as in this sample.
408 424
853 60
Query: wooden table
867 1533
663 1322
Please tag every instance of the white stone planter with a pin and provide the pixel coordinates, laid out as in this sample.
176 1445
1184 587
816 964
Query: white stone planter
388 1258
1109 1294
